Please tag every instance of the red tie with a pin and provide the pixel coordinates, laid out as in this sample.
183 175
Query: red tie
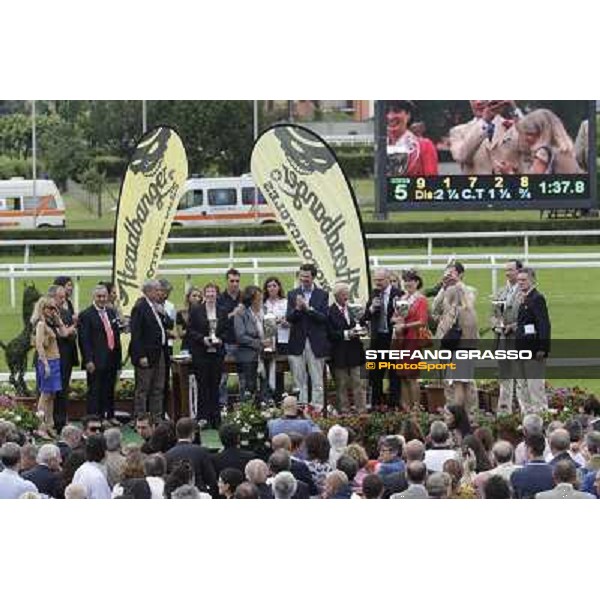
110 336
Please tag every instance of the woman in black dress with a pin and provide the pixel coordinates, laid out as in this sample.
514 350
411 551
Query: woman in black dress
207 325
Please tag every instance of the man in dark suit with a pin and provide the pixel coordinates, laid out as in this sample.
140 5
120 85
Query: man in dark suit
347 352
231 456
536 475
308 345
148 349
560 444
279 462
46 474
100 344
532 333
380 310
186 449
298 468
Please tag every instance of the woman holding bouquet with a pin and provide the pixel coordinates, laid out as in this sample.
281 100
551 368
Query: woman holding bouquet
411 333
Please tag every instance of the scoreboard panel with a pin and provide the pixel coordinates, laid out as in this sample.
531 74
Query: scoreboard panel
448 155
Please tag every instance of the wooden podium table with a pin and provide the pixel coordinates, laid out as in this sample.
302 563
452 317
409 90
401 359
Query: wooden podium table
179 400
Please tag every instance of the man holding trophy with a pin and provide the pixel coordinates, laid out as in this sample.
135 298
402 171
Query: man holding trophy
504 325
347 352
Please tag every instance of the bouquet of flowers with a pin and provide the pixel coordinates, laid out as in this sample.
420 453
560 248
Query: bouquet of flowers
252 423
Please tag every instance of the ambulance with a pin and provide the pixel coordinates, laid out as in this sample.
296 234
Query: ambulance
26 204
222 201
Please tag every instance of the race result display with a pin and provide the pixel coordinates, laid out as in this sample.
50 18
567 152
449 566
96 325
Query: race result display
486 154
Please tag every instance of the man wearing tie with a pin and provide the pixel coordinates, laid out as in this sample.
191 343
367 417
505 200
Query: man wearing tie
308 345
379 312
148 350
100 344
490 142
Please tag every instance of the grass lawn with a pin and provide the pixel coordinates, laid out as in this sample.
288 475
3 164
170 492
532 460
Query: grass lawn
209 437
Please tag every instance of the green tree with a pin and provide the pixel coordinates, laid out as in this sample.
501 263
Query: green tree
64 150
217 135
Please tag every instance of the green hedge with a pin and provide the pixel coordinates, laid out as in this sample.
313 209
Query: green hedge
356 164
14 167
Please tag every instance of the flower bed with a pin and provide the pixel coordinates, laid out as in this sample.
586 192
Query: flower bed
15 412
252 422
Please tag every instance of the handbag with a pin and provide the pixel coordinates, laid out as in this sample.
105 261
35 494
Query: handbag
424 337
452 337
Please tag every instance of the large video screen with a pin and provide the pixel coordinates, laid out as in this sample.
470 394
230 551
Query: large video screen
488 154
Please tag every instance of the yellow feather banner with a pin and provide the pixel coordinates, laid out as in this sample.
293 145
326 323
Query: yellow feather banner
150 193
301 179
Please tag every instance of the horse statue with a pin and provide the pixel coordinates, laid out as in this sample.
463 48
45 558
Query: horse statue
17 350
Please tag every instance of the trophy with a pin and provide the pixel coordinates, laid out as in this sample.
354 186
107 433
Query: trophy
499 306
401 306
270 330
356 311
398 157
212 337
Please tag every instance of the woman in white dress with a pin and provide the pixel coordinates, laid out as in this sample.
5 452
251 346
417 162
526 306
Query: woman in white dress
275 304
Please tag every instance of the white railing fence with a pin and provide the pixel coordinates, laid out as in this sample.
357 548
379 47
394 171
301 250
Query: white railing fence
288 263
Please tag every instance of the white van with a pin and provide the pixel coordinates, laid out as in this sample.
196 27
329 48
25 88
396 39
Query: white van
25 206
222 201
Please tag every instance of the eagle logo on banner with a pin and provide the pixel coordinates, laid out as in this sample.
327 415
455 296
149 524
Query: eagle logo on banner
301 179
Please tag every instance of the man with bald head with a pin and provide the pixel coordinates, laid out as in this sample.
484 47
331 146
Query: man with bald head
379 312
503 452
291 420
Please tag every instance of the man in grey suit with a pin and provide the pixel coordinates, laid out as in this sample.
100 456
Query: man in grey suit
416 473
565 476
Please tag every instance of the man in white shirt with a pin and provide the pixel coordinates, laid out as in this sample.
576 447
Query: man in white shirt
92 473
12 485
440 451
155 469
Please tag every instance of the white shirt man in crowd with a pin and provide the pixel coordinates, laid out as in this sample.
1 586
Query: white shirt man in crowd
12 485
92 473
440 451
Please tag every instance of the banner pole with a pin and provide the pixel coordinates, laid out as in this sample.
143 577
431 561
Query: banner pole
380 155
